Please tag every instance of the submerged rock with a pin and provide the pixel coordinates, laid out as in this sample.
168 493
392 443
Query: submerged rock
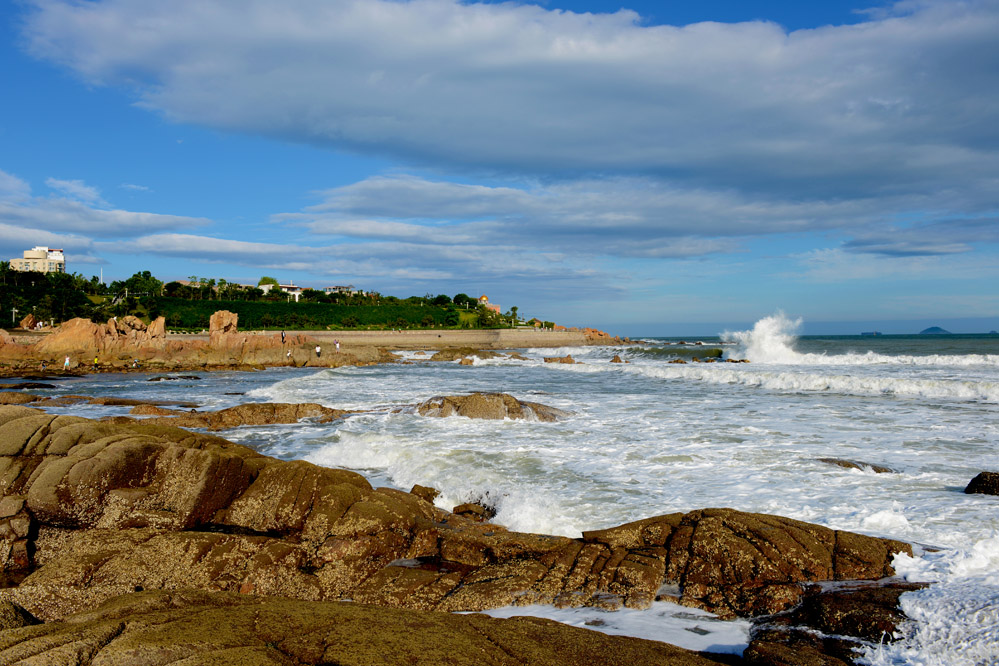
488 406
853 464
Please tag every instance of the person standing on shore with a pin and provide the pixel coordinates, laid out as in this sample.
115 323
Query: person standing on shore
282 337
95 363
337 343
319 351
65 364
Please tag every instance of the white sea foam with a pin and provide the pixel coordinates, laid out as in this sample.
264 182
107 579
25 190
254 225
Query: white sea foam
776 379
955 621
688 628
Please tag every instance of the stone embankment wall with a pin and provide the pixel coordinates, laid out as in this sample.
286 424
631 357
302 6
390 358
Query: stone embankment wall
504 338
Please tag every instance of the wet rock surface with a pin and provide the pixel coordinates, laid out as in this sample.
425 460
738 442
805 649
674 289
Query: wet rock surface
488 406
830 625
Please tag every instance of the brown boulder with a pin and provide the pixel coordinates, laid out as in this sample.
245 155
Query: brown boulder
985 483
221 324
488 406
29 322
82 336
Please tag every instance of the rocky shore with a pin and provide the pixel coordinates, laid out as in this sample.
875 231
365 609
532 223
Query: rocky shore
126 343
135 540
131 539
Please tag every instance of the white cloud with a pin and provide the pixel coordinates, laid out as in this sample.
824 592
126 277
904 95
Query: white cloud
904 103
76 189
622 216
13 188
84 212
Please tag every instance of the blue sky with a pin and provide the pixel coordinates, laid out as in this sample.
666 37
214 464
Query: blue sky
645 167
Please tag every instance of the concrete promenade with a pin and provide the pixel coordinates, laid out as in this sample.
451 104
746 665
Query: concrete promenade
502 338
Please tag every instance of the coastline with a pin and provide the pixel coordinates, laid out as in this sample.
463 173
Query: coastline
128 343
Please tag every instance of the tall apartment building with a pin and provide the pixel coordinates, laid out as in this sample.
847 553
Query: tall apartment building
41 259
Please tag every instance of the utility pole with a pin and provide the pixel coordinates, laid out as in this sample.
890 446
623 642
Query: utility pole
13 315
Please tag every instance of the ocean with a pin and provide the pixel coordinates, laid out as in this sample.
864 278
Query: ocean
650 437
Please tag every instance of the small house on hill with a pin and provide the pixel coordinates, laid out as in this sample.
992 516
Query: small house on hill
294 292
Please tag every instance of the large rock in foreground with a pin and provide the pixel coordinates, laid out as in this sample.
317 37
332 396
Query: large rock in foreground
192 627
97 509
488 406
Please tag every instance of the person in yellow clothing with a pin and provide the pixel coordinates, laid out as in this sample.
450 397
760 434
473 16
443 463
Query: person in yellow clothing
95 363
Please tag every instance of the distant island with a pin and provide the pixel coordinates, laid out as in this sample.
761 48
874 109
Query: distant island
934 330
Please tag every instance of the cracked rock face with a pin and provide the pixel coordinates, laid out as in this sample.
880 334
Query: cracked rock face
93 510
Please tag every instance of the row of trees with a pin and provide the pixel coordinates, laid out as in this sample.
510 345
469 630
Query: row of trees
62 296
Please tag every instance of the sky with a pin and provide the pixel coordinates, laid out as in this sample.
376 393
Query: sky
647 167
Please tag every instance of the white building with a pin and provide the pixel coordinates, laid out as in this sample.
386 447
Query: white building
342 289
294 292
42 260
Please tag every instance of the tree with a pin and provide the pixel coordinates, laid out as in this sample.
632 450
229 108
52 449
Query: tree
442 300
267 280
463 300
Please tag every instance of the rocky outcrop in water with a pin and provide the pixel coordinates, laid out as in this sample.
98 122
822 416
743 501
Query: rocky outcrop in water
461 353
106 508
986 483
252 414
829 625
560 359
854 464
488 406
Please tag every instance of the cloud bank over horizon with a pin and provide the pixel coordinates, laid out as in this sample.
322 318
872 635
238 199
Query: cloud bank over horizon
544 144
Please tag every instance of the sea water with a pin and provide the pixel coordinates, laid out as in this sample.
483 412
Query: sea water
650 437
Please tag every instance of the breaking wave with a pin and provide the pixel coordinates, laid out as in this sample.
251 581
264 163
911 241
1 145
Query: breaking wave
772 340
